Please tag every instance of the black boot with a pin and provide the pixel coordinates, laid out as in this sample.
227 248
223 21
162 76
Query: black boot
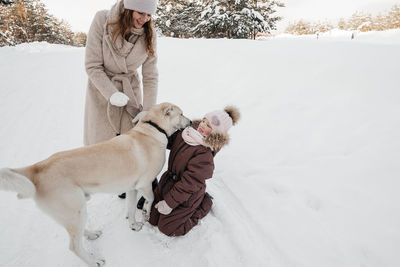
142 200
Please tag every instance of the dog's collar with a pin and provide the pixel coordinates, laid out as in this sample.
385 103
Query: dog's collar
161 130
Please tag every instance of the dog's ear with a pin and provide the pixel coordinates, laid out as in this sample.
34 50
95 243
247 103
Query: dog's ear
167 110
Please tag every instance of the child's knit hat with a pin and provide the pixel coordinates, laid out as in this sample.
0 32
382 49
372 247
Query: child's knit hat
222 120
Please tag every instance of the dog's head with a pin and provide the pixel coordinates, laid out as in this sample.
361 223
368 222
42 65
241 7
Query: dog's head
168 117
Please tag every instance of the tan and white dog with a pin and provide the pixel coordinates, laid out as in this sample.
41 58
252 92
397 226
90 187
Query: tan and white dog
126 163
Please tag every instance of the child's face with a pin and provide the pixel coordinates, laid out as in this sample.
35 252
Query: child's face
204 127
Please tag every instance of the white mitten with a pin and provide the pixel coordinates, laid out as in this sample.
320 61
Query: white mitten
119 99
139 116
163 207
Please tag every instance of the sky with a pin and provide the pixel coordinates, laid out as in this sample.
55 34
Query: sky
79 14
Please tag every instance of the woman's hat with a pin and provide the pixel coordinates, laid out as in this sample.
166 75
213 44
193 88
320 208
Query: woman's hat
143 6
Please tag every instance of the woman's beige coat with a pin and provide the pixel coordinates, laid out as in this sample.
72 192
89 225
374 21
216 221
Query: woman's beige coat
112 68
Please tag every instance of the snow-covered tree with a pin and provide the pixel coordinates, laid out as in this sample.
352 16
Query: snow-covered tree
216 19
300 27
237 18
177 17
28 20
80 39
41 26
365 22
393 18
4 12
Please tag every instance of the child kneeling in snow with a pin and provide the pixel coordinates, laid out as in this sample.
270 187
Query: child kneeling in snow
180 198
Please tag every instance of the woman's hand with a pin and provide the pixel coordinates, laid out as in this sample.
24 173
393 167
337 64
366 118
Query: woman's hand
163 207
119 99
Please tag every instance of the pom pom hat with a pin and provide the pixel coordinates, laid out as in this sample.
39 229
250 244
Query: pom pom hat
222 120
143 6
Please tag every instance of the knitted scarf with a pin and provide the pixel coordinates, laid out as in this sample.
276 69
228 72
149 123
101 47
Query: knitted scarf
192 137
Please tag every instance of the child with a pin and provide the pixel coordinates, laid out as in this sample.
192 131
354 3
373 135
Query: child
180 198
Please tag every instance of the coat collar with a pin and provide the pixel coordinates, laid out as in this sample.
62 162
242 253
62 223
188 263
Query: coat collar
215 141
123 50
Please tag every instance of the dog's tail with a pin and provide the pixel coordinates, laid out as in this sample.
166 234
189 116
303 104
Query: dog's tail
12 180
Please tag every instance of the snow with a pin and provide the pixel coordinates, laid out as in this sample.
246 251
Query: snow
310 177
390 37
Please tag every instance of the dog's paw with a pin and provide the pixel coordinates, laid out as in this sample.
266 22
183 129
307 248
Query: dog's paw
146 210
146 215
97 263
100 262
92 235
137 226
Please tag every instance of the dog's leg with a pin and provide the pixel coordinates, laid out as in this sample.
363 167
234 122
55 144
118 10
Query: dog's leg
131 199
130 202
68 207
76 230
148 194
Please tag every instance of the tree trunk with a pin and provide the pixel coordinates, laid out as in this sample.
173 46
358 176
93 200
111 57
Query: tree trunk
6 38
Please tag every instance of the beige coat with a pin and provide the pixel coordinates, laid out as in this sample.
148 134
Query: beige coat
112 68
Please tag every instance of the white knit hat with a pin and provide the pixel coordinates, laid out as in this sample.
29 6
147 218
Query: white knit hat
143 6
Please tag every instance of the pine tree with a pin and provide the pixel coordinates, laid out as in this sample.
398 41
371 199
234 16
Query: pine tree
342 24
41 22
28 21
4 39
216 19
253 16
299 28
393 18
176 17
80 39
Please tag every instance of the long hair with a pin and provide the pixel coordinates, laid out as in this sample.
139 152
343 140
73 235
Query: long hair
122 27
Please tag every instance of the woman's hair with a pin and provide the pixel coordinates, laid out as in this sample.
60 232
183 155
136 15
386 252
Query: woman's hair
123 26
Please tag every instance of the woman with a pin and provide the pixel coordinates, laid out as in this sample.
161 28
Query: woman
120 41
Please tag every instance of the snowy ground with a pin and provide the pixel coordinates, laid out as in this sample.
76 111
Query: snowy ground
311 177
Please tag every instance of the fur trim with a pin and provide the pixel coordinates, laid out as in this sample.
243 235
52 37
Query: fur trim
216 141
233 112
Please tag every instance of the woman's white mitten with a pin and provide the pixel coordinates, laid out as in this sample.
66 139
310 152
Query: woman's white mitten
163 207
119 99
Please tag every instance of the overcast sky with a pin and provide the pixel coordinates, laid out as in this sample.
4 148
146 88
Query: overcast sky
79 13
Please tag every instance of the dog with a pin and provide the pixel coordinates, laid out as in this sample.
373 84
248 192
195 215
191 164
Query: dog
126 163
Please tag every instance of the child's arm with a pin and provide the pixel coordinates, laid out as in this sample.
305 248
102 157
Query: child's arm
199 168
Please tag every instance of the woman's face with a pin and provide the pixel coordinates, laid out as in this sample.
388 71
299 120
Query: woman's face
204 127
139 19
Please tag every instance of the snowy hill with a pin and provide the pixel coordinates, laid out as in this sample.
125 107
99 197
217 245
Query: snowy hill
311 177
